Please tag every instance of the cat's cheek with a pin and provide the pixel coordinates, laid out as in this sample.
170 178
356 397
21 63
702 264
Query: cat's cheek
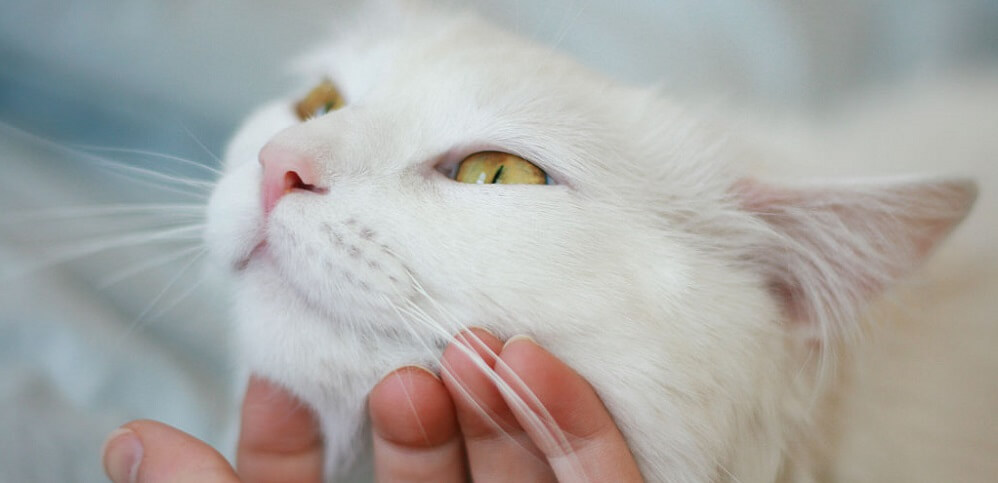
234 217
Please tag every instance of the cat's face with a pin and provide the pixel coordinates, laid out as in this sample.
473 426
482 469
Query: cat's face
596 254
635 263
391 221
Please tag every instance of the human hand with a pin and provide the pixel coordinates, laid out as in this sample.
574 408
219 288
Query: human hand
443 435
279 440
438 436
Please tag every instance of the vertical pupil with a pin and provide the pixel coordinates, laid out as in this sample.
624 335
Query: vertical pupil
497 175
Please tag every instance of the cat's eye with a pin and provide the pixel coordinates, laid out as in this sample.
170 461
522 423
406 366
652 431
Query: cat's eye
324 98
492 167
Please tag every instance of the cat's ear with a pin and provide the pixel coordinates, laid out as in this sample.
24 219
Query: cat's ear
830 248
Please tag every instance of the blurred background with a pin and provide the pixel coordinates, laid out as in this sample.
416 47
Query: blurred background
91 337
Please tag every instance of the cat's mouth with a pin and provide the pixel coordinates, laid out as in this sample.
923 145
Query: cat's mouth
258 251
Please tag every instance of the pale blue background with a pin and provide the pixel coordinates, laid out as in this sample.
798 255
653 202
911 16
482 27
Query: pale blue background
76 360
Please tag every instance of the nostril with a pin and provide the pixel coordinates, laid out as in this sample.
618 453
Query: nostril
284 171
294 182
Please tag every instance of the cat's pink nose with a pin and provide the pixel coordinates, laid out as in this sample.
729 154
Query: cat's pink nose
285 170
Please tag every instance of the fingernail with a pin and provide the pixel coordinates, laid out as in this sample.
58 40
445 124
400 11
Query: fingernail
519 337
420 368
122 453
483 329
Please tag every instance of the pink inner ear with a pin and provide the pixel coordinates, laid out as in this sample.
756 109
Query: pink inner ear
831 248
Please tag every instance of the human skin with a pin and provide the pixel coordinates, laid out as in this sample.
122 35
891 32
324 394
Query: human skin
440 436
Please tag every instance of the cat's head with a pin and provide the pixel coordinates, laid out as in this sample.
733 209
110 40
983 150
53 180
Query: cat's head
620 224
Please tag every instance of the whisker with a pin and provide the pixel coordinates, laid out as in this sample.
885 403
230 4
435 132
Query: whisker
417 314
183 296
412 407
218 160
433 353
538 417
173 281
201 195
94 246
194 183
567 25
135 269
731 477
107 163
143 152
180 209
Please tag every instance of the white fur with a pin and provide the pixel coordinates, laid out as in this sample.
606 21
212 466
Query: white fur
649 267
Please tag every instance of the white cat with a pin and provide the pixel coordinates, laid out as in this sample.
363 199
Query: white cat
727 312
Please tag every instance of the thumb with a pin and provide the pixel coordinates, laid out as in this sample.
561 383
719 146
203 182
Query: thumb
148 451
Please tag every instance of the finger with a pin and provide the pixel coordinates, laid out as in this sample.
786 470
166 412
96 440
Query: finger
152 452
595 448
496 445
416 437
279 438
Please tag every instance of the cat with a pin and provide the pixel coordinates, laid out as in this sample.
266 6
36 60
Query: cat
729 311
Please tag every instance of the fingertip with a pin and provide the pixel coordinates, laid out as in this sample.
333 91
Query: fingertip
467 373
595 446
415 430
274 421
279 436
520 338
537 375
411 407
481 332
150 451
523 352
264 395
121 455
475 340
523 357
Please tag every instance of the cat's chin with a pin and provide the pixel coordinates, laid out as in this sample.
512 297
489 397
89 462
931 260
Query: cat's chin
270 284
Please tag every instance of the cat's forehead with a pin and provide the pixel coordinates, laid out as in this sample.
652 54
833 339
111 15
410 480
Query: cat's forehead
436 52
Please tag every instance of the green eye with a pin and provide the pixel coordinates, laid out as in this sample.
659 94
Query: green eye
493 167
320 100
